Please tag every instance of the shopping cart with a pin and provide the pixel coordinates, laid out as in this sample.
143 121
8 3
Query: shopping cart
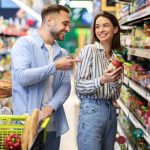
10 124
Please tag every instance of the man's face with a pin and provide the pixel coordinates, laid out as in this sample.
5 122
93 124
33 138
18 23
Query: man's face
60 26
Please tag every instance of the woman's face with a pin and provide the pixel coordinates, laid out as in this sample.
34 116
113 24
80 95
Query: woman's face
104 30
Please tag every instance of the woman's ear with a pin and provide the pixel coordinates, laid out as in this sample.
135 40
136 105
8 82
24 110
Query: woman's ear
115 30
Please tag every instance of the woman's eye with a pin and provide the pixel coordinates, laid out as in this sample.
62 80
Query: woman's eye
96 27
106 25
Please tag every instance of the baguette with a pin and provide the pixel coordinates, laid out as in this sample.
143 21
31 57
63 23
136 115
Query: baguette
25 134
33 127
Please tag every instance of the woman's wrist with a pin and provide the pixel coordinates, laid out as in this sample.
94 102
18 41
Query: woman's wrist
102 81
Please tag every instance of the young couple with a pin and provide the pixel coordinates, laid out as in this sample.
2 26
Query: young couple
40 78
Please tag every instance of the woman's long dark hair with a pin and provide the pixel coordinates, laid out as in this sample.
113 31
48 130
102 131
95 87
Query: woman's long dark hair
116 44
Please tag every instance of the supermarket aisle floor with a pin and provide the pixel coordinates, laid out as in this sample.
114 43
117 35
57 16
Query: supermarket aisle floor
68 140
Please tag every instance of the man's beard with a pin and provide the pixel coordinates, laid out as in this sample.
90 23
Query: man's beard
56 35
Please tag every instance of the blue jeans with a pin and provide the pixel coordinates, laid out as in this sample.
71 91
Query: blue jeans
52 142
97 125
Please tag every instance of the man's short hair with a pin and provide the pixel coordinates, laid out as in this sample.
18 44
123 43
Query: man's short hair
53 8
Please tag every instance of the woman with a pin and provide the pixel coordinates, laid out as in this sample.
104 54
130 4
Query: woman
97 87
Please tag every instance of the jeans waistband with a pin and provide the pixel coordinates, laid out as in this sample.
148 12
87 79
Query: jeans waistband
99 102
96 101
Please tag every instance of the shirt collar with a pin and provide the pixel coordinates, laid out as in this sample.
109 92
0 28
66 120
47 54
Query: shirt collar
37 38
99 46
40 42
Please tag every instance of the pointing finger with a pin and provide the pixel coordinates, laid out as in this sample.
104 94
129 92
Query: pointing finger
75 61
68 57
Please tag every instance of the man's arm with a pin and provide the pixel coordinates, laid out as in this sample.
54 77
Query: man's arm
21 54
59 98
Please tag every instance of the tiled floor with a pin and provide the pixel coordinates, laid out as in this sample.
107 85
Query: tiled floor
68 140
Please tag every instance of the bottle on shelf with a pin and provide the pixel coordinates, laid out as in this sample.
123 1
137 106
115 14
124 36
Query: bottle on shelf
121 141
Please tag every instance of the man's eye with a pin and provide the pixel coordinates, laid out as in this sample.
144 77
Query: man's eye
66 24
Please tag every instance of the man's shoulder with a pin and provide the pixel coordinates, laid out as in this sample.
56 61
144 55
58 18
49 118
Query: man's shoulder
25 38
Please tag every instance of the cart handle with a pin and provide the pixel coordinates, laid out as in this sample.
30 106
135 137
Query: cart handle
45 123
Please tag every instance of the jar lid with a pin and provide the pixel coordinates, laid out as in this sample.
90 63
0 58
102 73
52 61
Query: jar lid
121 140
119 58
137 133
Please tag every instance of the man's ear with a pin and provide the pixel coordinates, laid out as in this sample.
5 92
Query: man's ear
49 21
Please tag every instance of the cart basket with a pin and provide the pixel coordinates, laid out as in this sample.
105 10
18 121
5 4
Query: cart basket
10 124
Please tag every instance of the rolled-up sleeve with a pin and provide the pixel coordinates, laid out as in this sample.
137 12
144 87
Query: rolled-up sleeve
84 83
115 88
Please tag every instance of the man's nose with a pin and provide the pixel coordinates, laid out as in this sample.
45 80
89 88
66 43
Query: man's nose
68 28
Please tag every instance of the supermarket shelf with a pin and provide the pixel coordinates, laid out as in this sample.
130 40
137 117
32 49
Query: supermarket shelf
123 1
4 52
125 27
8 35
127 1
135 122
120 130
136 16
28 9
140 52
137 88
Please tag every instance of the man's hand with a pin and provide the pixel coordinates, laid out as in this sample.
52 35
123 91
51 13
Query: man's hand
46 112
111 76
66 63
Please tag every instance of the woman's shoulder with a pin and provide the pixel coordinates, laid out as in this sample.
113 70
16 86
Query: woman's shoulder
88 47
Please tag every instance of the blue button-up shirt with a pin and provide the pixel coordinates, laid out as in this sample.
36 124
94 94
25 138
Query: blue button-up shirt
30 71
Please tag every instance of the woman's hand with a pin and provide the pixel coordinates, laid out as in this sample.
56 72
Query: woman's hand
111 76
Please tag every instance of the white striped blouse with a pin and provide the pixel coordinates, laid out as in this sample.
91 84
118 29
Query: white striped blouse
87 80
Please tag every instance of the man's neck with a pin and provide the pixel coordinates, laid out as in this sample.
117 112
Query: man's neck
45 36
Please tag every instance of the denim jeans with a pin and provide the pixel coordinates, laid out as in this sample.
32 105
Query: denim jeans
97 125
52 142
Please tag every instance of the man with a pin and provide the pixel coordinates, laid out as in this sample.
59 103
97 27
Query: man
40 73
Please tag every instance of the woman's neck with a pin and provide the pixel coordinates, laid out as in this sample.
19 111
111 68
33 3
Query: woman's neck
107 50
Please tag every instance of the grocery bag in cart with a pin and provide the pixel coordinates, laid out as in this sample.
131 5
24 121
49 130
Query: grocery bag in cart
11 124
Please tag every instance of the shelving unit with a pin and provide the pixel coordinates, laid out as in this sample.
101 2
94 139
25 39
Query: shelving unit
139 52
137 88
136 17
128 23
134 120
121 132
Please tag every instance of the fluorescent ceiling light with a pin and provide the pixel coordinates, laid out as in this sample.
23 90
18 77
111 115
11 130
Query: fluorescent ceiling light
62 2
82 4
